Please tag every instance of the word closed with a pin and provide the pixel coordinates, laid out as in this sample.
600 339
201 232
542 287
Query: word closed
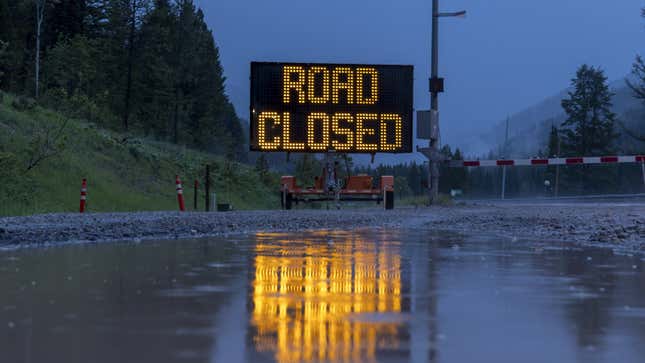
331 107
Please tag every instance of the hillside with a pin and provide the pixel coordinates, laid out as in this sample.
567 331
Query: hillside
529 128
124 173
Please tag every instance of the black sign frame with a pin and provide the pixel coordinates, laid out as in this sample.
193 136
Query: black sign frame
395 97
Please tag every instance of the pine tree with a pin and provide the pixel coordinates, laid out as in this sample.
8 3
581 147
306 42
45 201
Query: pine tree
135 12
153 64
3 54
553 148
638 88
17 24
589 127
65 20
154 82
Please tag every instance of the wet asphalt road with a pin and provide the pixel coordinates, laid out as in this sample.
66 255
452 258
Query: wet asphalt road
386 295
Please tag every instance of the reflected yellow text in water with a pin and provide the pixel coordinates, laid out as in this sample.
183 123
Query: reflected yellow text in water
318 300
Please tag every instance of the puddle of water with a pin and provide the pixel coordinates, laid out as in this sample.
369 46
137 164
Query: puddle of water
380 296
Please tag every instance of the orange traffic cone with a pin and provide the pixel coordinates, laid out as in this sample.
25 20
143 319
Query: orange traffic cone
180 194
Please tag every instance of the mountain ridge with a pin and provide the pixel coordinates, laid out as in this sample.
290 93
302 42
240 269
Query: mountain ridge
529 128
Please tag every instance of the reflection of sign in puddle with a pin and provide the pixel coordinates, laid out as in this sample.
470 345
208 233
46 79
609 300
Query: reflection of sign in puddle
315 301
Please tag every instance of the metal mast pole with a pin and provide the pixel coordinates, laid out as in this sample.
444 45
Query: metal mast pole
433 170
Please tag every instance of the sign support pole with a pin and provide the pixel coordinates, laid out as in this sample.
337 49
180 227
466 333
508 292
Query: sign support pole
433 170
436 87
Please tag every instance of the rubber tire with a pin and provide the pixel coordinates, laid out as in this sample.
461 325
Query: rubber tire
288 201
389 200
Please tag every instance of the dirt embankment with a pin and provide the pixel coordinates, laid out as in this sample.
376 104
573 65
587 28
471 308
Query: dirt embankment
615 225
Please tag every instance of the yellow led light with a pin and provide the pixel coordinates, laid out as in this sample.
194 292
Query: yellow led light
360 97
311 129
263 119
337 85
337 130
286 135
298 85
313 71
362 131
298 297
388 119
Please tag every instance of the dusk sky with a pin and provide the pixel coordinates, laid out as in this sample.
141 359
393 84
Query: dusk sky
504 56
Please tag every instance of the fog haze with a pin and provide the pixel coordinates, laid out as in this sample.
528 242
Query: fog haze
505 56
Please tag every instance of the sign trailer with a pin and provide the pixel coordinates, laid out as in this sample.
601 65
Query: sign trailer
328 108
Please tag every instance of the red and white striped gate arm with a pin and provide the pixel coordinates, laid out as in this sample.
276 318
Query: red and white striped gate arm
552 161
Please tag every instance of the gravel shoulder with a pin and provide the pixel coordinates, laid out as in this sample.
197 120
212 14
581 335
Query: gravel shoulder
620 226
616 225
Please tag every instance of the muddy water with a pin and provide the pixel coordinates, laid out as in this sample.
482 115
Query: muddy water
369 296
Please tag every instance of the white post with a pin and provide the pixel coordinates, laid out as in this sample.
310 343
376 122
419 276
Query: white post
504 156
503 182
557 170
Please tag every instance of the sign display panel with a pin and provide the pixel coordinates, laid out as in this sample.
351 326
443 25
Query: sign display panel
313 107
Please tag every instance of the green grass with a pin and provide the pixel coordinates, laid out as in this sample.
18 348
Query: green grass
135 175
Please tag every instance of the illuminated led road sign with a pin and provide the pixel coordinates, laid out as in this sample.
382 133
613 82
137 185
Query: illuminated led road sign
297 107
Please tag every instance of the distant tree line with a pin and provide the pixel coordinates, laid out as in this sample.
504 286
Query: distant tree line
146 67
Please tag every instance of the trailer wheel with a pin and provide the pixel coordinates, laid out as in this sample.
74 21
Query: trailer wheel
288 201
389 200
